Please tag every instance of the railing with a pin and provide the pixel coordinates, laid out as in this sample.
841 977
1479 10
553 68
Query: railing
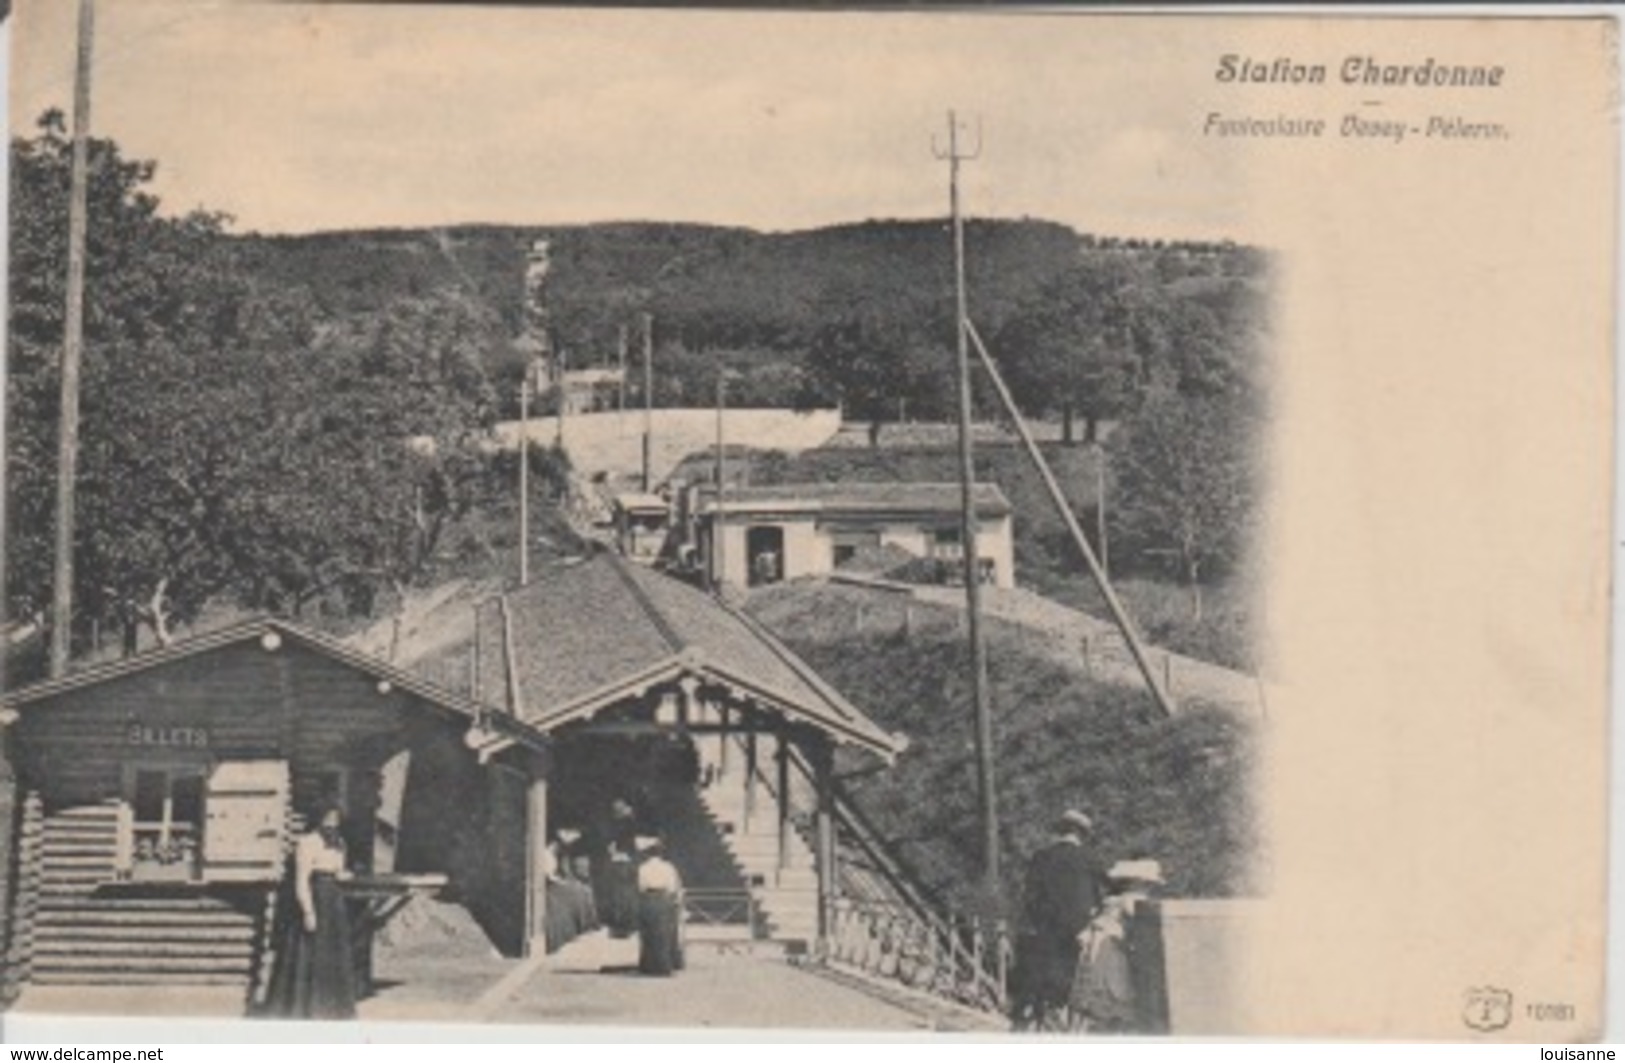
722 908
967 965
902 935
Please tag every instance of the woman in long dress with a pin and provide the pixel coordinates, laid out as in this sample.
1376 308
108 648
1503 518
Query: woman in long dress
315 973
1103 997
615 876
660 914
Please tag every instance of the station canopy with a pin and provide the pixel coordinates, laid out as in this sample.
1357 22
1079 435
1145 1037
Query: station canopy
598 633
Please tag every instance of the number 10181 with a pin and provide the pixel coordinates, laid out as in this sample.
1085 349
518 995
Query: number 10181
1550 1012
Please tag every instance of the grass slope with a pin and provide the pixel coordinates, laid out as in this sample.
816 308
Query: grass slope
1046 559
1178 790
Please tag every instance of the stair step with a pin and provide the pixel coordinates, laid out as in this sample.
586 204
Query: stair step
138 978
140 935
148 946
157 964
68 915
132 904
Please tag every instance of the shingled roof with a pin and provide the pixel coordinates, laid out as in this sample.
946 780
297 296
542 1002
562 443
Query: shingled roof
901 498
584 636
271 633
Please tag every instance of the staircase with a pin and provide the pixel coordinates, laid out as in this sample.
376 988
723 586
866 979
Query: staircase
128 941
786 897
88 929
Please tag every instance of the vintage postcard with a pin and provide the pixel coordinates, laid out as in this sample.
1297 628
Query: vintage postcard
918 522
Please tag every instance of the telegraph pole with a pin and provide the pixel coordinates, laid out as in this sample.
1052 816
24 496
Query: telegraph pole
620 353
967 523
561 395
524 476
1100 508
648 394
73 329
718 550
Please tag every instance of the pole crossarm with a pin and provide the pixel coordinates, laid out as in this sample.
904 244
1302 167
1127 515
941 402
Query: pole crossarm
1120 615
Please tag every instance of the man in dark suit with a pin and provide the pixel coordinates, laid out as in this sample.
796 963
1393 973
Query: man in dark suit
1064 888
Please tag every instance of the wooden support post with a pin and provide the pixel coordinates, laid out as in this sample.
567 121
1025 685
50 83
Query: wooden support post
824 773
536 864
783 757
750 777
722 742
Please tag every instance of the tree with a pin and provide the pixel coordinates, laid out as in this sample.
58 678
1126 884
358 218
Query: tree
1185 472
375 452
1074 347
161 300
875 353
237 439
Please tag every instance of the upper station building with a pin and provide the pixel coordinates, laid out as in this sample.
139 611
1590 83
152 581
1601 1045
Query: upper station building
763 534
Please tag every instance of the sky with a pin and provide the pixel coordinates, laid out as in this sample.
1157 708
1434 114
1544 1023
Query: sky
302 117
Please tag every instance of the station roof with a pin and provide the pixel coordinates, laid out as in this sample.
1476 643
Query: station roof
845 498
588 635
271 633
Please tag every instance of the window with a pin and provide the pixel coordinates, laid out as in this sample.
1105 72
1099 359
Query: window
848 543
166 806
945 544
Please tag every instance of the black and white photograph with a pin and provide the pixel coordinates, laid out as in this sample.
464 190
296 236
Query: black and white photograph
915 522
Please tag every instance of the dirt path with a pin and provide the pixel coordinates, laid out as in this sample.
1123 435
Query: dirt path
1082 641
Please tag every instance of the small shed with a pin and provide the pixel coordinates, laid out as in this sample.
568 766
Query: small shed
159 795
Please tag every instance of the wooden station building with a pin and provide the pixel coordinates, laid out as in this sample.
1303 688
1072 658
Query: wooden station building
157 796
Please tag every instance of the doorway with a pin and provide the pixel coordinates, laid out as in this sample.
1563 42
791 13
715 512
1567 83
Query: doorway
764 551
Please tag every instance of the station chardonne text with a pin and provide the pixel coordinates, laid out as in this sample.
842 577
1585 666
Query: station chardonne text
1358 70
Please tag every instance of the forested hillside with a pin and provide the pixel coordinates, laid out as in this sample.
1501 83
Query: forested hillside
246 397
860 314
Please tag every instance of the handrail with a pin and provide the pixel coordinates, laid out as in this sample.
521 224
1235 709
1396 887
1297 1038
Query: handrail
957 952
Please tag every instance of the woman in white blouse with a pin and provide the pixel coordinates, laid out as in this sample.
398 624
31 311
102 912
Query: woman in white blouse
315 976
660 912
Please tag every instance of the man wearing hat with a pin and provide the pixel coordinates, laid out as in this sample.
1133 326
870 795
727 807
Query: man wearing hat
1063 890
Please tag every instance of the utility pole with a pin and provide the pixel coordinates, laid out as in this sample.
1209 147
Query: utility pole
620 353
718 571
561 395
648 394
1100 508
524 475
73 330
967 523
